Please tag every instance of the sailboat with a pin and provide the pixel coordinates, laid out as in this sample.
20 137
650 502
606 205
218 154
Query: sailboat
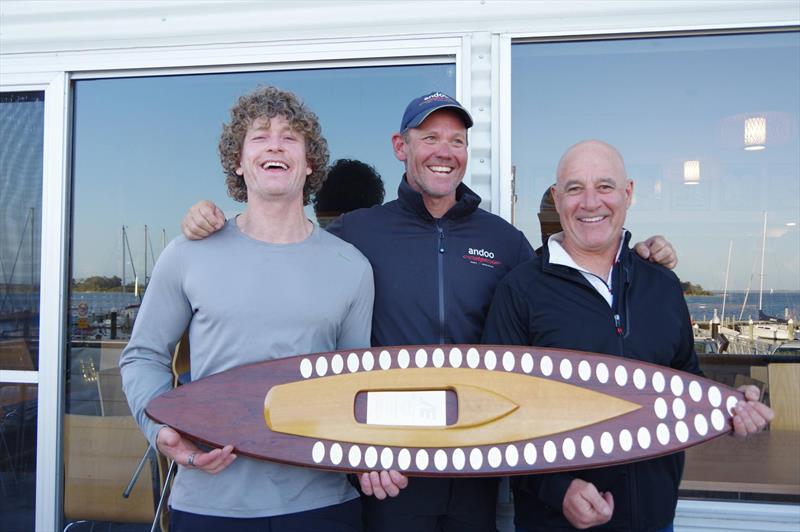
768 327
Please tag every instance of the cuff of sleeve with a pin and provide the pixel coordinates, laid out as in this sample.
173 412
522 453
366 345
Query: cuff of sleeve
152 433
552 490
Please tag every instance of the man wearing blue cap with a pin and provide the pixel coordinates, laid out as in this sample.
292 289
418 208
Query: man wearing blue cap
436 258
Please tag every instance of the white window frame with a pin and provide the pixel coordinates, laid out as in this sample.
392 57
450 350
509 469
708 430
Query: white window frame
53 74
52 290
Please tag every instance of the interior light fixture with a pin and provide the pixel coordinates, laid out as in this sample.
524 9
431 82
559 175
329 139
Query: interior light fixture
691 172
755 133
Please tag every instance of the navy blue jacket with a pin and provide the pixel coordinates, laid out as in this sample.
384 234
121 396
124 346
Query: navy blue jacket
434 278
551 305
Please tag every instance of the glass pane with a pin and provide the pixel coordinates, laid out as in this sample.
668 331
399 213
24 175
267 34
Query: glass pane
21 138
708 127
145 149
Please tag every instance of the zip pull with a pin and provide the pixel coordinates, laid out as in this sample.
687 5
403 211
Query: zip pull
441 239
618 324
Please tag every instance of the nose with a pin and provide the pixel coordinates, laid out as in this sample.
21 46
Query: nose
590 199
273 143
443 150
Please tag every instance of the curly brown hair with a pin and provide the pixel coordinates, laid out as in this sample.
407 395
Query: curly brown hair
268 102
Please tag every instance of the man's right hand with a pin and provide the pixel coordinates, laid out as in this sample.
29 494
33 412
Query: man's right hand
202 219
586 507
177 448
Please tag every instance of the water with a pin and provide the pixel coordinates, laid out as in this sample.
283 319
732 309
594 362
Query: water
701 308
99 306
102 303
777 304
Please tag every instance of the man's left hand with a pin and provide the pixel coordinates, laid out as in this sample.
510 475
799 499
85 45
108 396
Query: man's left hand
751 415
657 249
382 484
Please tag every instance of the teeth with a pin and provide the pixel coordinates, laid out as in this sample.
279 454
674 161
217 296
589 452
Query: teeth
444 169
274 164
593 219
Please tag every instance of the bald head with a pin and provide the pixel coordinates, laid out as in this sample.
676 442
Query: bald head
592 194
595 149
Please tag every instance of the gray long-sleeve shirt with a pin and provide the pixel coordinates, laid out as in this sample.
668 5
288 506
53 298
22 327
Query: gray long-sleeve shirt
247 301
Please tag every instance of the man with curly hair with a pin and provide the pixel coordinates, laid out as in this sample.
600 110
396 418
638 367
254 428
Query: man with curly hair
244 295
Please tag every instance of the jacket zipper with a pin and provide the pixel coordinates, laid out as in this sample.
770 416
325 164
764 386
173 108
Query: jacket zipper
620 302
618 294
440 257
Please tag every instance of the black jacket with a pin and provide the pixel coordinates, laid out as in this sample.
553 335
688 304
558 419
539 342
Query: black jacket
551 305
434 281
434 278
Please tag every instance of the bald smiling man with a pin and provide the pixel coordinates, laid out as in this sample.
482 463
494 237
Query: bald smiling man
588 291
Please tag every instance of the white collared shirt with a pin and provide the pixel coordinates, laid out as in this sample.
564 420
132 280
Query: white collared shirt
558 255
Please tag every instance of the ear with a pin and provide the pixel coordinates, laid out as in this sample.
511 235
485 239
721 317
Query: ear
239 171
309 170
399 145
554 194
628 192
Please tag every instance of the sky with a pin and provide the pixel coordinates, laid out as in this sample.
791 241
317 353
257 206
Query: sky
661 102
145 148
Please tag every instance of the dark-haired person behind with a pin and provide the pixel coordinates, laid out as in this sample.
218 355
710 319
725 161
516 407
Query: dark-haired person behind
588 291
269 284
350 185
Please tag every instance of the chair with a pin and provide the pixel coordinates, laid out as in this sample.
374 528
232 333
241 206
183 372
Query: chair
784 384
99 454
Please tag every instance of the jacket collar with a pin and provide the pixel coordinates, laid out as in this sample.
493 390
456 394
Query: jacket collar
467 201
565 271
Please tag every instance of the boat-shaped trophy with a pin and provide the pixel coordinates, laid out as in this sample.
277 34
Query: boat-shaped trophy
450 410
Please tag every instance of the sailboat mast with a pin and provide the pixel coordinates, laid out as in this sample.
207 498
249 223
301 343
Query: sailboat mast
123 259
763 246
32 289
727 273
145 254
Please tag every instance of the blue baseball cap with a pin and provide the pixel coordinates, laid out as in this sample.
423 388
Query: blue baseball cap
420 108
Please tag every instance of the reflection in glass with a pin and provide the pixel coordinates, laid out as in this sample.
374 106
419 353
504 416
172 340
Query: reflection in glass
18 417
145 149
720 113
21 145
674 129
21 148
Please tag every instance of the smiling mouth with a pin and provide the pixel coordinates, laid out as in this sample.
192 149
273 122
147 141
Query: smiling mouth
592 219
271 165
440 169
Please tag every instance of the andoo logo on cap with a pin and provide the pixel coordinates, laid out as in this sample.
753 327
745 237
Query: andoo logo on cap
435 96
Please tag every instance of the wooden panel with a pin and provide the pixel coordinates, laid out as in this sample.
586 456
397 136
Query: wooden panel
762 463
784 390
100 456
